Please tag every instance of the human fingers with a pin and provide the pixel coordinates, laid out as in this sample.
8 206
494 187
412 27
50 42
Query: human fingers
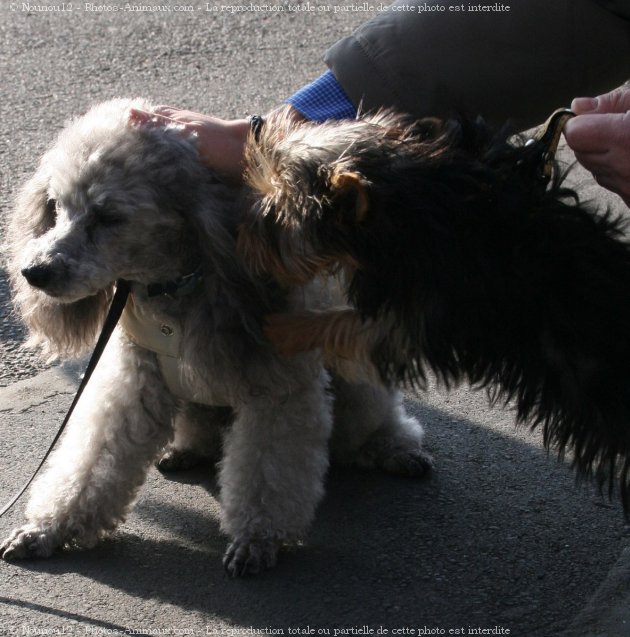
593 133
169 112
611 170
138 117
595 163
187 118
616 101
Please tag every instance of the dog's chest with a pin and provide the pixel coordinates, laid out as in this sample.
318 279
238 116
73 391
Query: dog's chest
163 335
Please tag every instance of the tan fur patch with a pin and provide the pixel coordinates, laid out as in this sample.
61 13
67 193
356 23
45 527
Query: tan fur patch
290 270
352 182
344 339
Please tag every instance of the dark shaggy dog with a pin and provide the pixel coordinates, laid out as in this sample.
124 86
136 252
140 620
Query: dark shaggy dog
460 261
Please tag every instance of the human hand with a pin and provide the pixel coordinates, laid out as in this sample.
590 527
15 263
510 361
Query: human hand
220 142
600 138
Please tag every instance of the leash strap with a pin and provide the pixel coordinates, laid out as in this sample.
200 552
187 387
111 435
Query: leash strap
115 311
549 135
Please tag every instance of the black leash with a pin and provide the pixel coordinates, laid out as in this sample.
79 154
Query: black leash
115 310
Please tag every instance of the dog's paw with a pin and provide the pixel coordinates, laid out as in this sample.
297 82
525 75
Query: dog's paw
250 556
400 457
412 463
175 460
29 541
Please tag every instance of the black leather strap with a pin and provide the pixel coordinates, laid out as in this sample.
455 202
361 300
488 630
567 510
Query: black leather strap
549 136
256 123
115 310
177 287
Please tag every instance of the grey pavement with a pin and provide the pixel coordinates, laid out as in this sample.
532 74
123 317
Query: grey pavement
499 538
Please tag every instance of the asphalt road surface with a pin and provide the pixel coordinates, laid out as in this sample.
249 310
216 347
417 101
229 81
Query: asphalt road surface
499 538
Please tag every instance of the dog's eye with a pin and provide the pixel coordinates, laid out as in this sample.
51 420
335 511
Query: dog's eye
51 210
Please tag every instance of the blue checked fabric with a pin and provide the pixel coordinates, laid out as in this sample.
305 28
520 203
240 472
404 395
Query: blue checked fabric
323 99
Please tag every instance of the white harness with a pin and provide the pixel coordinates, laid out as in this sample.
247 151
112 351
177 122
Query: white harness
164 338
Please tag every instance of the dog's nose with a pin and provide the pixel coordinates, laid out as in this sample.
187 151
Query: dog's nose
39 276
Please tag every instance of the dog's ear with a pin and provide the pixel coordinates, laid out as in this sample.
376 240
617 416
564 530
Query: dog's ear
32 216
34 211
350 190
59 330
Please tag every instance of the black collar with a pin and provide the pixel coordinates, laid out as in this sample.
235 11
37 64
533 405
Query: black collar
176 287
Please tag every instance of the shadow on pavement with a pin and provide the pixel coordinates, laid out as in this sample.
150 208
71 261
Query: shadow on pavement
488 540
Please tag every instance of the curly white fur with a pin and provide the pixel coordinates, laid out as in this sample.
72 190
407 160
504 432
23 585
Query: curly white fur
110 201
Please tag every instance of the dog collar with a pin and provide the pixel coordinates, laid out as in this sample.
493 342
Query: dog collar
181 286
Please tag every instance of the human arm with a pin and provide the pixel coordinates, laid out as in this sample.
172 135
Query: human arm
221 142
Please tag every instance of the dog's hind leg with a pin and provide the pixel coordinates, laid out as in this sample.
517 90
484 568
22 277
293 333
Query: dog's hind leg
272 474
198 437
372 429
122 421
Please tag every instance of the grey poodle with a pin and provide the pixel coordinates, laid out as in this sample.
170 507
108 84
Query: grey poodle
187 372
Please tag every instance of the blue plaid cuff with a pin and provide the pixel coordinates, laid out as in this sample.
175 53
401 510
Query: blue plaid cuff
323 99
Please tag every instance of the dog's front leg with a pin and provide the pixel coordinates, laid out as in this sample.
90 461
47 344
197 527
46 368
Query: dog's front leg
272 474
122 421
